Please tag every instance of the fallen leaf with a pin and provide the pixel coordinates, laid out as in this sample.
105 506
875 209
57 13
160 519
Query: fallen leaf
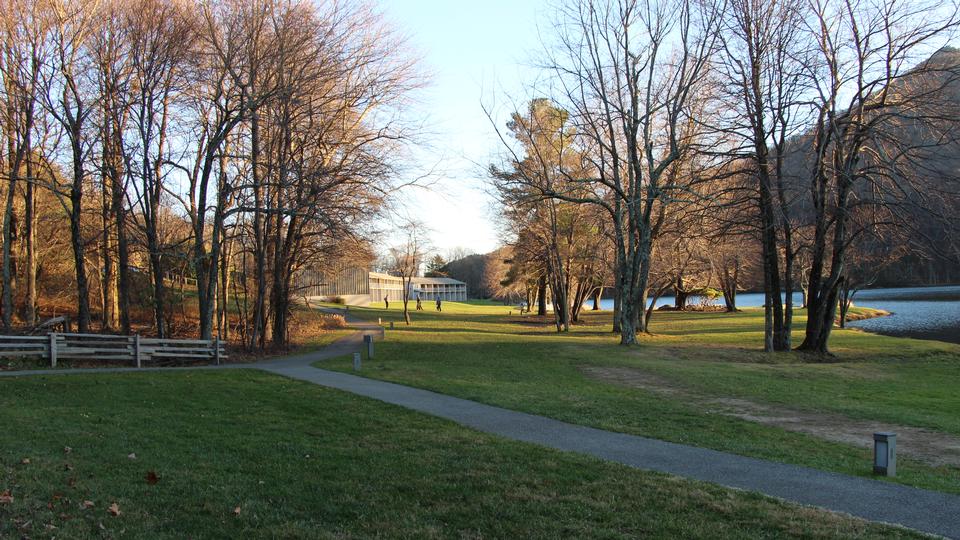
67 467
25 461
236 511
152 478
102 528
87 504
5 497
131 455
114 509
67 449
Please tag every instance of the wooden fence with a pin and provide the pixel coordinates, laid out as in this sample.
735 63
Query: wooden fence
133 349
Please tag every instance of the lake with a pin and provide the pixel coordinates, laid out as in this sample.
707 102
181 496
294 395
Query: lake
920 312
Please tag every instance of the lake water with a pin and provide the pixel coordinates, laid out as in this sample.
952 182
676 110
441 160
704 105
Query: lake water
921 312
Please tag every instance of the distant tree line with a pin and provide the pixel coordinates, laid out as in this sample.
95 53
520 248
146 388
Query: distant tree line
680 145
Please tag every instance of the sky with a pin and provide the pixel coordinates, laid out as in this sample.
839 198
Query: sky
475 53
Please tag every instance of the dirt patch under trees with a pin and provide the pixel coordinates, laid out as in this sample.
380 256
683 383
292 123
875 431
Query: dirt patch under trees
928 446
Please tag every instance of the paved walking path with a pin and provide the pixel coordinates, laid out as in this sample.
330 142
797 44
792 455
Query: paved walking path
924 510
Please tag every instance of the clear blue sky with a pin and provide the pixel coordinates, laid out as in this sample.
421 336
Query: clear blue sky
477 52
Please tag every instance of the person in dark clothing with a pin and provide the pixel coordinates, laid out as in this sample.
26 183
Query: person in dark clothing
419 305
386 302
439 307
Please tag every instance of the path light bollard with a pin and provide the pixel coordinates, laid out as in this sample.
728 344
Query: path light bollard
368 340
356 361
885 454
380 321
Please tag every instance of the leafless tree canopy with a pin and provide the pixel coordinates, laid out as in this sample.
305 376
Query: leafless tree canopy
789 141
224 144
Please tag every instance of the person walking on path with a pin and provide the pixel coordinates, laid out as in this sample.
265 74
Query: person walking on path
419 305
386 302
439 307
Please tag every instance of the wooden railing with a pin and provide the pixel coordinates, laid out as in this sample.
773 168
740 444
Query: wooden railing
133 349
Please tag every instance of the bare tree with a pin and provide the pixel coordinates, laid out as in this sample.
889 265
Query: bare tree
69 99
406 258
22 54
161 36
867 85
764 54
632 73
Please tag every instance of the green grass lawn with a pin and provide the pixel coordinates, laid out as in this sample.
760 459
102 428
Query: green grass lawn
484 353
239 454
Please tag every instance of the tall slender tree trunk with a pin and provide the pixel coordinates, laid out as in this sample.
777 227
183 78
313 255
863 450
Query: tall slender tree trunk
617 309
259 238
116 174
8 238
109 268
76 235
30 233
224 303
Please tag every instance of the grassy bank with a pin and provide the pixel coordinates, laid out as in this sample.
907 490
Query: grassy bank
244 454
484 353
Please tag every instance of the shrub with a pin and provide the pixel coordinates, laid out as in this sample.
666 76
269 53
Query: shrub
331 321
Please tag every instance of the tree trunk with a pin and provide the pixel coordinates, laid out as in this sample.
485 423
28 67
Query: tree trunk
223 324
617 309
259 237
596 298
76 240
123 252
108 271
30 202
729 280
824 293
680 294
159 292
542 295
8 238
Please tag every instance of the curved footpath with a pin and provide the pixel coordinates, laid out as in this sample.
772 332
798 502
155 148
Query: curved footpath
923 510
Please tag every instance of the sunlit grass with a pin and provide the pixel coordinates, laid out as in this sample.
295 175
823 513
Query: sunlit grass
485 353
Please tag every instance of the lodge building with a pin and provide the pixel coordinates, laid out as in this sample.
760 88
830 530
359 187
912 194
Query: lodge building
359 286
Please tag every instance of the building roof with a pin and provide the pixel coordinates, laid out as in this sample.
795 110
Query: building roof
419 280
437 281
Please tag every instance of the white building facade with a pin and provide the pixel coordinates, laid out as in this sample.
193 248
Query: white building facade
359 287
